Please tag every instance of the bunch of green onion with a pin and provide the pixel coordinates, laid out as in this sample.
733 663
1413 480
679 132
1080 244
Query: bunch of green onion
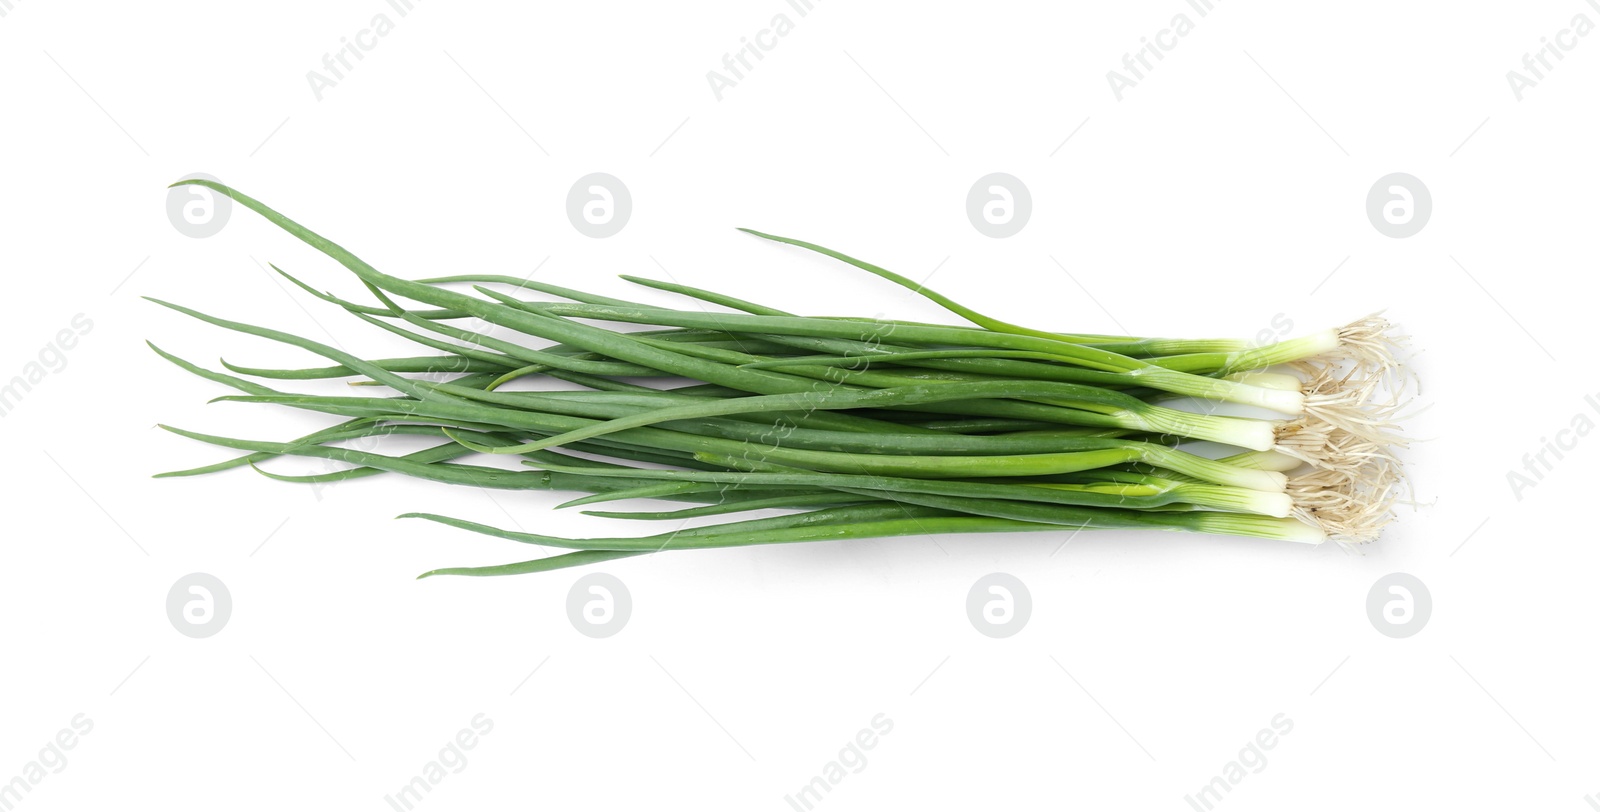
861 427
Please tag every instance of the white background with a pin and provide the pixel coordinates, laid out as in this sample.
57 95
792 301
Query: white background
1221 192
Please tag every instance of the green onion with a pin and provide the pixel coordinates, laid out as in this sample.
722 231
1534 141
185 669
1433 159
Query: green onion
861 428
